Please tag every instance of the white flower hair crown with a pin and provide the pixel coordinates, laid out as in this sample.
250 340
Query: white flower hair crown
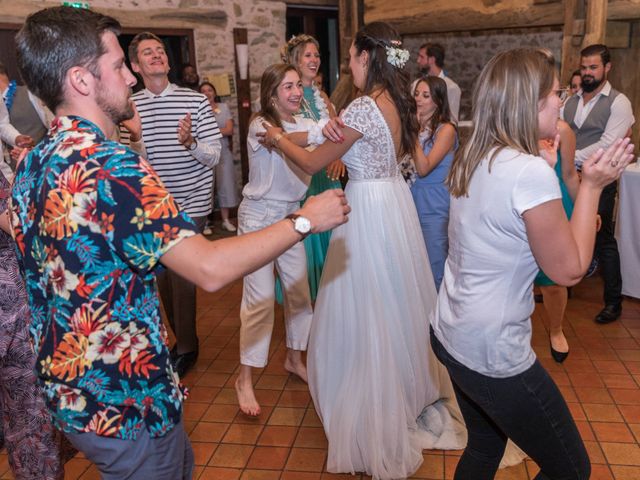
397 56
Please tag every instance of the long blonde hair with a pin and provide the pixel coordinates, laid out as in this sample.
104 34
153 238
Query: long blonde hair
294 48
505 110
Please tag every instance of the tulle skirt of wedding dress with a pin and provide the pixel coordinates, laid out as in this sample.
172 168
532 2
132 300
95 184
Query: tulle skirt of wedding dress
379 390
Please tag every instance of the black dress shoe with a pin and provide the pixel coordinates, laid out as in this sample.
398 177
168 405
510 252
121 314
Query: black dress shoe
610 313
558 356
184 361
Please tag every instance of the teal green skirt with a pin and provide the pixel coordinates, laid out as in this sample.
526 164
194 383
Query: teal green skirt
315 245
541 279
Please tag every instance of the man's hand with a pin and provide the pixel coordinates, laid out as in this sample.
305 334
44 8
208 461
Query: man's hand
184 131
326 211
24 141
134 124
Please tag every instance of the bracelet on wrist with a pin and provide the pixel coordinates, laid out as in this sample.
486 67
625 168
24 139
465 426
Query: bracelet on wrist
276 139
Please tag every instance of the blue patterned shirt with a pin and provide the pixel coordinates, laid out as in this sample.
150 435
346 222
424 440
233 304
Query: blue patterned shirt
91 220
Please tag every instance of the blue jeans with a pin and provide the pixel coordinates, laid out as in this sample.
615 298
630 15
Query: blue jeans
528 408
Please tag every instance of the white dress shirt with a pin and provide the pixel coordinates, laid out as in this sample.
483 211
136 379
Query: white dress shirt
453 95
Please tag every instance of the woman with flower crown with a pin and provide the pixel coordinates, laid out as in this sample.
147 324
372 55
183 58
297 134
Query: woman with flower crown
302 51
379 391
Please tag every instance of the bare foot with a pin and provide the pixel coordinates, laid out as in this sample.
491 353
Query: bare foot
294 364
246 396
559 342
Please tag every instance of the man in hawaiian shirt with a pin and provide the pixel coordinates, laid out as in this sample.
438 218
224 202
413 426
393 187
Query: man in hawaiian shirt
92 223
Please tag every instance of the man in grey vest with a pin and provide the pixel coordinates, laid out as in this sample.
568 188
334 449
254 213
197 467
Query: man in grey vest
599 115
26 113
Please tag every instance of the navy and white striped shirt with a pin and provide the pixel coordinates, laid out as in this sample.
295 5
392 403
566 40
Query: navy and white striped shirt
188 175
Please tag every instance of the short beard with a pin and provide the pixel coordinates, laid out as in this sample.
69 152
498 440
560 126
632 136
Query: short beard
591 86
115 113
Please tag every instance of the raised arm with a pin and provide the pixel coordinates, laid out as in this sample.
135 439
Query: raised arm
205 146
567 155
211 265
563 249
311 162
443 143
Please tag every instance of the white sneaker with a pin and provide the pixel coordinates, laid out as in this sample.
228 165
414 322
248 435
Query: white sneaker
207 231
228 226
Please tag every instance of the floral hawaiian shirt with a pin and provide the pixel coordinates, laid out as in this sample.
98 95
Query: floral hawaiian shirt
91 220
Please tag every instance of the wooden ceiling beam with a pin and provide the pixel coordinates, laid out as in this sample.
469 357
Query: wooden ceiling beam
420 16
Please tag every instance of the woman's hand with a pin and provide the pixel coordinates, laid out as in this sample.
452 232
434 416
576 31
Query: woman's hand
606 166
271 135
333 130
549 150
336 170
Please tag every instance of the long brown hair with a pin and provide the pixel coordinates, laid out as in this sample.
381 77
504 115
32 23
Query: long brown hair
375 38
438 92
505 110
271 78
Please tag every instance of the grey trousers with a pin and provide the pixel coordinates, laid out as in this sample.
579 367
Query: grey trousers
178 297
162 458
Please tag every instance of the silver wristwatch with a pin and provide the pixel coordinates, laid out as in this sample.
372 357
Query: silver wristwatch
301 224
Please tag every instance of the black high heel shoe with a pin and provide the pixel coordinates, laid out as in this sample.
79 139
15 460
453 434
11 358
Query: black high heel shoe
558 356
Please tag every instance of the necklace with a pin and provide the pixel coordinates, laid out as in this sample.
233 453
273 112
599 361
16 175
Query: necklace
308 111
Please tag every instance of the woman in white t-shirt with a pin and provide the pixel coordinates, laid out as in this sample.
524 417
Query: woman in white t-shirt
274 191
507 218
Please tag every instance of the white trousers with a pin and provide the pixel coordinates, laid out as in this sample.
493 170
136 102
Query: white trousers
258 292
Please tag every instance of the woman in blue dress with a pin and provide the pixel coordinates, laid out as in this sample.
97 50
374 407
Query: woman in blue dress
439 141
303 52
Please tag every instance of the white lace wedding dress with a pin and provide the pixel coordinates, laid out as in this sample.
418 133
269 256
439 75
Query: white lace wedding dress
379 390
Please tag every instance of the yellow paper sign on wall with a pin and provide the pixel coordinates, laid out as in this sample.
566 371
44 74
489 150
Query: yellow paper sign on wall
223 83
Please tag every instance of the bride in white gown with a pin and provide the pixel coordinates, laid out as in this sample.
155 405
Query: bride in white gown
381 394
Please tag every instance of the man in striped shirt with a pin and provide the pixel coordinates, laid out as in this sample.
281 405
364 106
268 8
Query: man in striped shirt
182 141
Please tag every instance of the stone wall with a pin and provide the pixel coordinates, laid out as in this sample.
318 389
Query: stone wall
212 21
467 52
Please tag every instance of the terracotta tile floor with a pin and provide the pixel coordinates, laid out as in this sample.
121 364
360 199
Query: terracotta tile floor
600 381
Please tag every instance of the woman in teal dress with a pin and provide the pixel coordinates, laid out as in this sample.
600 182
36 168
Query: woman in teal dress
303 52
554 297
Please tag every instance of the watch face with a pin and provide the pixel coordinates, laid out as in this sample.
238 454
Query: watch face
303 225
